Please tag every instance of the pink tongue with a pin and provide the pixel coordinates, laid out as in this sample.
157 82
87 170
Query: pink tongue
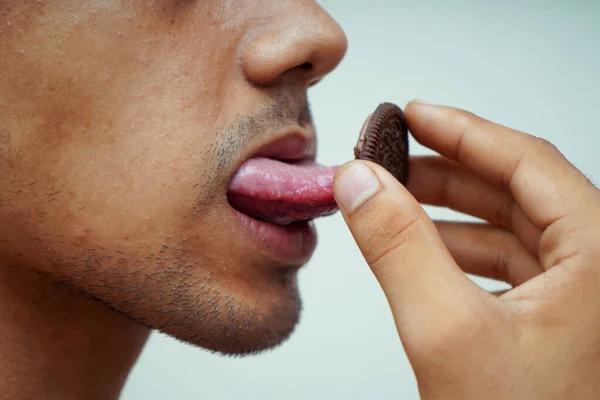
280 192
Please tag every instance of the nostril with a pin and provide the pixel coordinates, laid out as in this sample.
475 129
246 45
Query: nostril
305 52
306 66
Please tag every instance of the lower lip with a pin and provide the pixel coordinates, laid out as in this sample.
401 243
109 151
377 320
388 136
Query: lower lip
291 244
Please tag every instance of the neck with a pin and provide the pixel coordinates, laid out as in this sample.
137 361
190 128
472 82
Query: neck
57 342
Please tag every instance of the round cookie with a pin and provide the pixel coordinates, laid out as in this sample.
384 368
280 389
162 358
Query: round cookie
384 140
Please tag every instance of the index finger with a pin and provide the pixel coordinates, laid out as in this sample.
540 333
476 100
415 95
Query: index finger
542 181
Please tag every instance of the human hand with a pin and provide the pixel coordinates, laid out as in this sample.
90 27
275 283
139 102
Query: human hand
539 340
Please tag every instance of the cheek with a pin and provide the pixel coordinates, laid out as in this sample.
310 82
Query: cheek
138 187
118 150
63 229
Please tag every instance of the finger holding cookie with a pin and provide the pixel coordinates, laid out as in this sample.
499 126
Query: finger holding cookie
530 169
536 341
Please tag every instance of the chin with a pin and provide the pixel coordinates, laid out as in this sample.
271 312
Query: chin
234 322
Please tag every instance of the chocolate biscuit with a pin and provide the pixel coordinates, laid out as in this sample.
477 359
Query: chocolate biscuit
384 140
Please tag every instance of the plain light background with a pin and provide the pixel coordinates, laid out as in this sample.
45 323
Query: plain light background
530 65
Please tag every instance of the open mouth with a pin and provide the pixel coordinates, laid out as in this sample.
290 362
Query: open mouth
281 189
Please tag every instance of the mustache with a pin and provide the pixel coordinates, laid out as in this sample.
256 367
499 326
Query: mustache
288 108
285 111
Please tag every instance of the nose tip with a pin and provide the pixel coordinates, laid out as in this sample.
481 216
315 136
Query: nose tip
305 40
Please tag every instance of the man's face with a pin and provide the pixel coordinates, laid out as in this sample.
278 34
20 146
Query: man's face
122 124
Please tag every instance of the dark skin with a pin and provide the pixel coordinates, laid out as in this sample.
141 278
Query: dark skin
121 124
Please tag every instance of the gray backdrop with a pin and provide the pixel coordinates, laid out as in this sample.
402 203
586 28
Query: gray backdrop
533 66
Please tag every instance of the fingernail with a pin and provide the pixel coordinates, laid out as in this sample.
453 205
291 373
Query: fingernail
355 185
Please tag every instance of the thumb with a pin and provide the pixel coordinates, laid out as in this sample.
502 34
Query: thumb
424 286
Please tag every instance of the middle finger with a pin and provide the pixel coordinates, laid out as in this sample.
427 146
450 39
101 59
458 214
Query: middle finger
439 181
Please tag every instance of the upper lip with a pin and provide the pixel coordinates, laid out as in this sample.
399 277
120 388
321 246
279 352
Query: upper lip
294 145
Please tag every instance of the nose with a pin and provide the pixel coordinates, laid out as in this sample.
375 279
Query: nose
301 39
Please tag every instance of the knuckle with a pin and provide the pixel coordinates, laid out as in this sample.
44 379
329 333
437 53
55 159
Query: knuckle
546 146
499 266
389 237
504 215
465 122
510 171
